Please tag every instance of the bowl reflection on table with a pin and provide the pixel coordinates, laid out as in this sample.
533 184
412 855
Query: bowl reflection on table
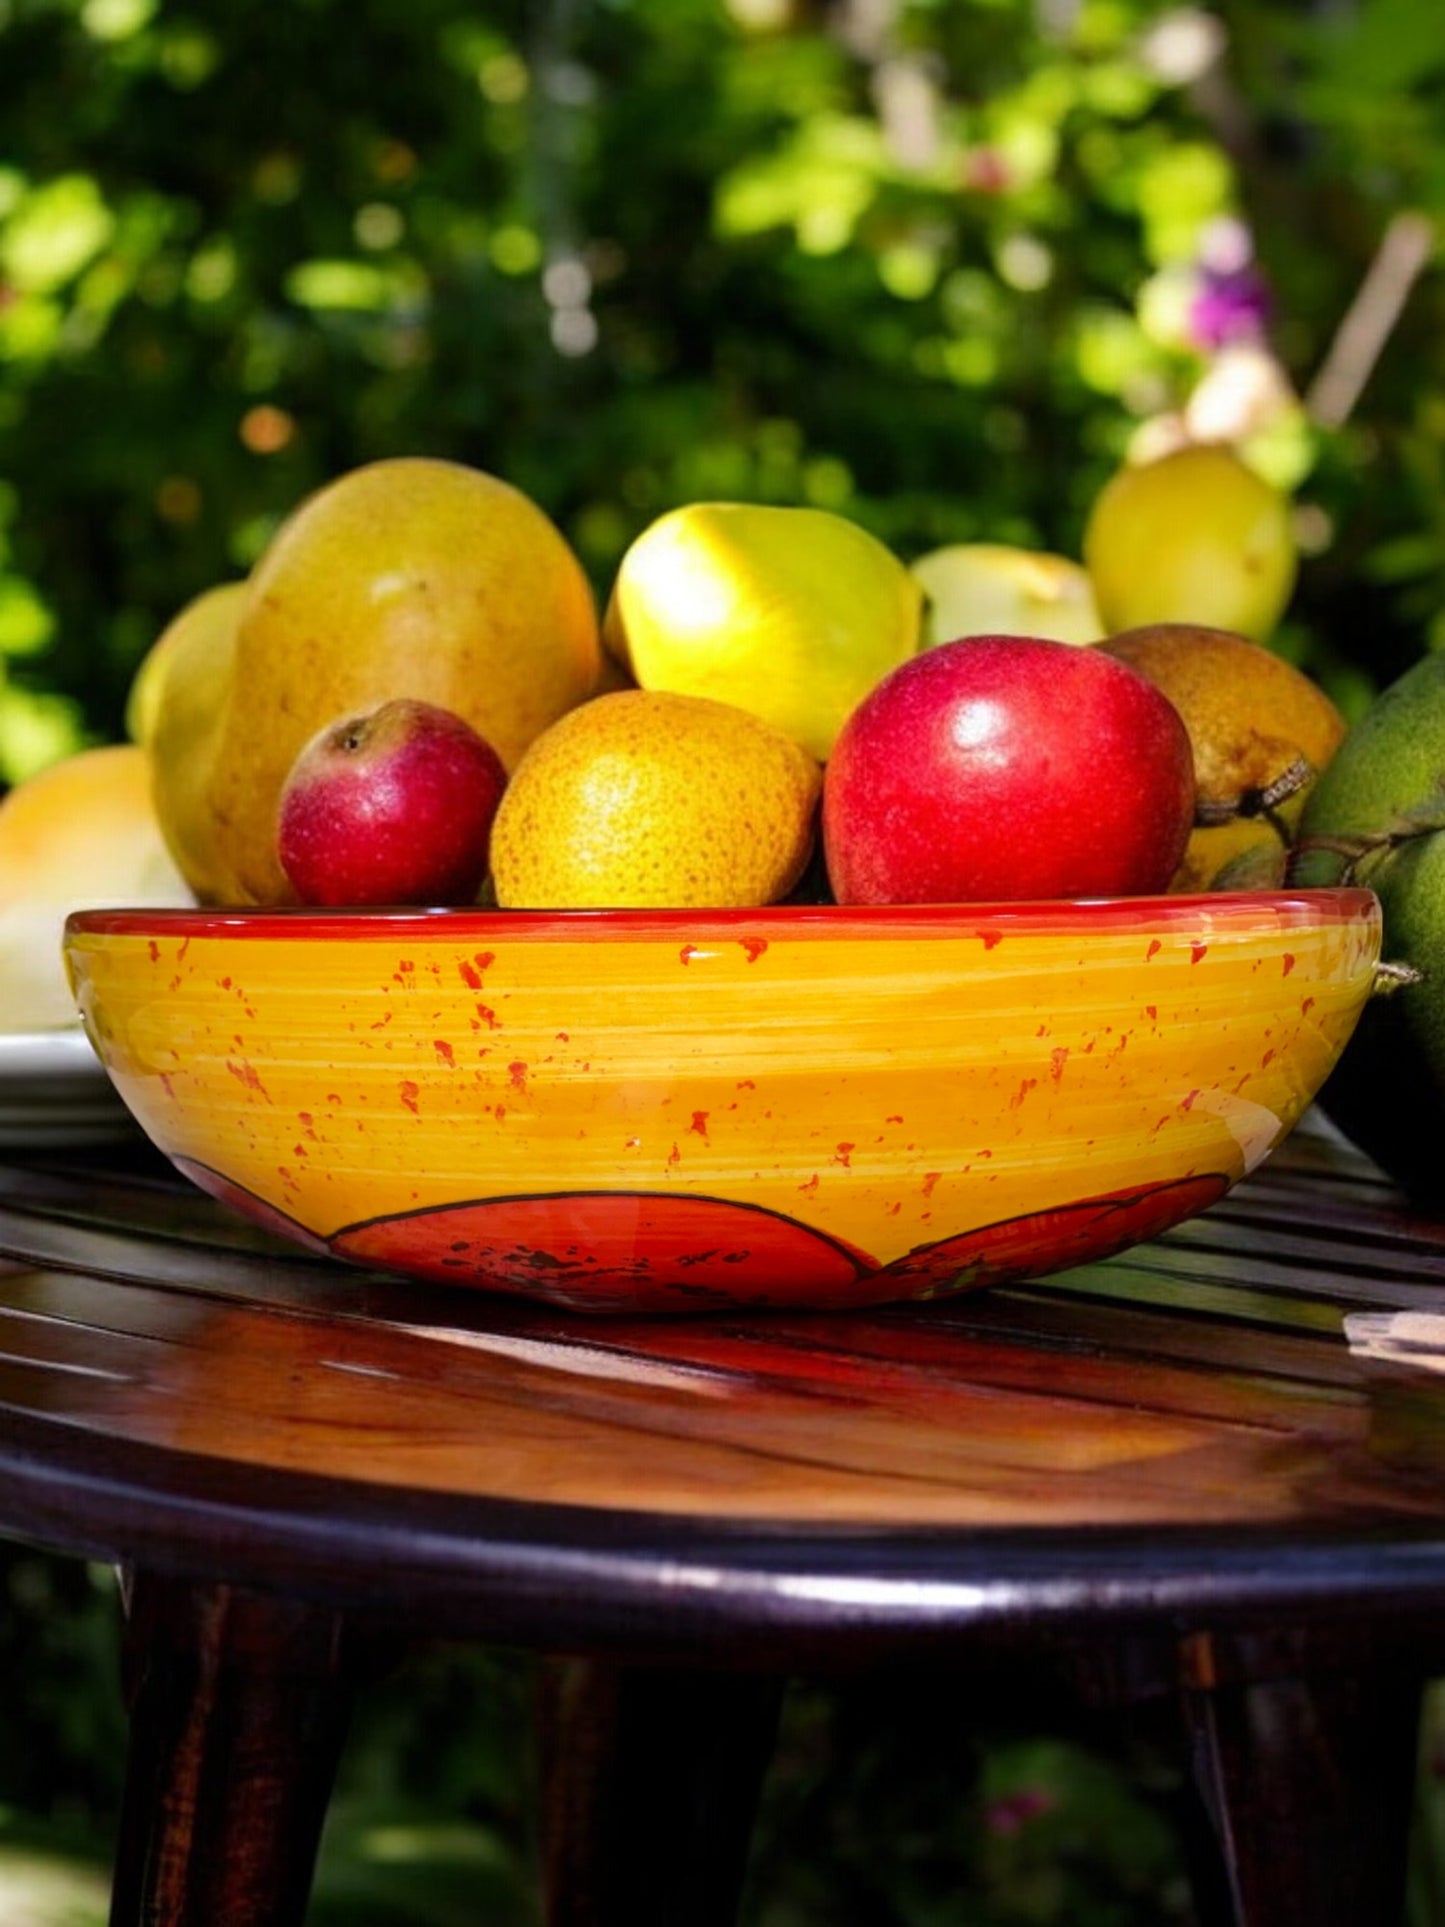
672 1111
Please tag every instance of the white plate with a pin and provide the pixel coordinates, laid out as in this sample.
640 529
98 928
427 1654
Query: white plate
53 1091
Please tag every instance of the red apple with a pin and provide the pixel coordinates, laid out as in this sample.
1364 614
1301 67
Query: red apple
393 806
998 768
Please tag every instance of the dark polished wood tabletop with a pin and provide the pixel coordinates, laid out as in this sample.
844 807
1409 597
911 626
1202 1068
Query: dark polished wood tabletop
1212 1468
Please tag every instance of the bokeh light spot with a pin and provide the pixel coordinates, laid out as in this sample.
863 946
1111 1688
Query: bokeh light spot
266 430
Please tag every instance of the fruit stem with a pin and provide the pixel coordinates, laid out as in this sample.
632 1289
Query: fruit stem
1263 802
1355 849
1390 977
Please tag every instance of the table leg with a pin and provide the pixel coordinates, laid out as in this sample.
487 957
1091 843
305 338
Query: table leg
239 1705
1308 1776
650 1784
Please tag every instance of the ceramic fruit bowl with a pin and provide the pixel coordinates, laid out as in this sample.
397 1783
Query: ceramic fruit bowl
672 1111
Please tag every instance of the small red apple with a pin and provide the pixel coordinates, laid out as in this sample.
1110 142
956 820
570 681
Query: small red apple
999 768
393 806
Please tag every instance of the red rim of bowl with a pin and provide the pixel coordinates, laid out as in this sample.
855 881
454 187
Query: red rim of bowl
1344 904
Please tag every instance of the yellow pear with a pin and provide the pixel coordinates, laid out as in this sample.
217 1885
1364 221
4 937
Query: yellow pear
183 650
791 613
82 834
409 577
1194 536
174 710
993 589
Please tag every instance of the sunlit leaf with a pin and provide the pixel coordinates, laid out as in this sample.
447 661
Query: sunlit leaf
1101 26
909 269
248 540
53 232
212 272
828 483
26 623
358 286
1165 303
1027 145
1180 189
819 184
1120 89
37 728
515 249
972 361
1285 450
1405 557
972 298
30 328
116 19
188 55
1110 349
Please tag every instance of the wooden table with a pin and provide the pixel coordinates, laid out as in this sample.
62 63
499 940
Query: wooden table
1208 1474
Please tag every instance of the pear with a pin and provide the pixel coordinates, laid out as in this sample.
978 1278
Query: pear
1377 817
992 589
407 578
1194 536
1261 732
176 701
184 649
790 613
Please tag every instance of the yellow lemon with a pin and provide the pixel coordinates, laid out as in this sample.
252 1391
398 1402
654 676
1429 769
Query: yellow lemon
646 798
791 613
1195 536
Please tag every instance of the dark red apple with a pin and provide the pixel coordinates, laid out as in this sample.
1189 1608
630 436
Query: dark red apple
999 768
393 806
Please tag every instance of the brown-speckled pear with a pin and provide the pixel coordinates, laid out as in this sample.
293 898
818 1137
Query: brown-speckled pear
1261 732
407 578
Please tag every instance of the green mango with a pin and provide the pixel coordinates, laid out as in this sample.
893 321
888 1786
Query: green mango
1377 817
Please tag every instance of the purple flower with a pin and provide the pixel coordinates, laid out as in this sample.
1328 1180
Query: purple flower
1232 304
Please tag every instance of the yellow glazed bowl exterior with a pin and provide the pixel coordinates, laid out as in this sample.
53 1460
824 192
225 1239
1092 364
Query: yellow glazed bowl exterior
673 1110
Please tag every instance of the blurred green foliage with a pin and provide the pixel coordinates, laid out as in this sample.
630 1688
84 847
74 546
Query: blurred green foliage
927 262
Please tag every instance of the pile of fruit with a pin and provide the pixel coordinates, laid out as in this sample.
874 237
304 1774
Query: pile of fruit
412 700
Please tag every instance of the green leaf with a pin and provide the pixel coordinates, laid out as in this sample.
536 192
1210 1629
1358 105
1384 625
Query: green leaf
26 622
54 232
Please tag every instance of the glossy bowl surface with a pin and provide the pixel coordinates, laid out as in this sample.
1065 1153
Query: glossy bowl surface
659 1111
